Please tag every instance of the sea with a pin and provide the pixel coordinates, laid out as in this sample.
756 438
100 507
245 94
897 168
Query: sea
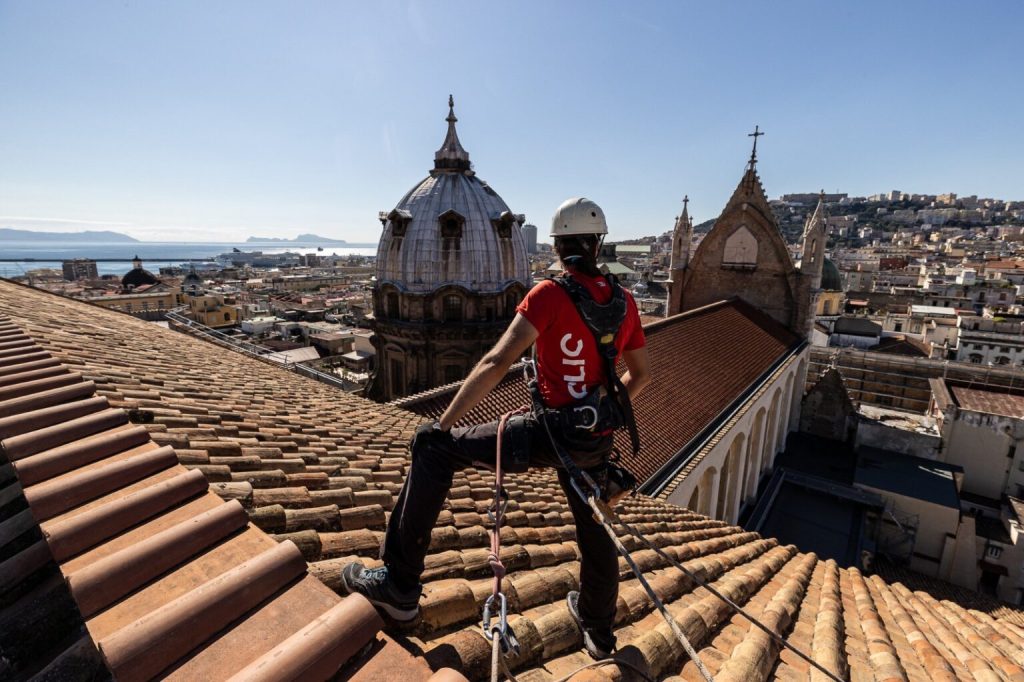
18 257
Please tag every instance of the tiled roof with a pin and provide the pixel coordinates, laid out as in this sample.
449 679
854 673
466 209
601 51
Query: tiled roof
320 467
701 361
902 345
988 401
143 547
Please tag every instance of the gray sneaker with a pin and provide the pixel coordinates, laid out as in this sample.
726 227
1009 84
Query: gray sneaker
598 642
374 584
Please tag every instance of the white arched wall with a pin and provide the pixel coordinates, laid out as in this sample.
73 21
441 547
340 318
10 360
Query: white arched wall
708 491
755 457
694 503
764 424
797 393
721 494
787 402
737 451
780 427
780 423
769 437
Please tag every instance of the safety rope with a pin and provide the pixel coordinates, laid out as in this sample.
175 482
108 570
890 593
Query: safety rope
607 661
702 583
600 515
503 640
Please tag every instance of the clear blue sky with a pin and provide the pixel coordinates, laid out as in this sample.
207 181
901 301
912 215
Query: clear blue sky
217 120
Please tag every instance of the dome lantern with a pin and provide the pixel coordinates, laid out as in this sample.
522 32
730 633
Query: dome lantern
451 156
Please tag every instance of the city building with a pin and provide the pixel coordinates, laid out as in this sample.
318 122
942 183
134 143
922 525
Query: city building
213 310
530 237
451 268
137 277
991 340
79 268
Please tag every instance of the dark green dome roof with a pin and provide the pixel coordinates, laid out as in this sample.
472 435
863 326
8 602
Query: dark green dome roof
830 280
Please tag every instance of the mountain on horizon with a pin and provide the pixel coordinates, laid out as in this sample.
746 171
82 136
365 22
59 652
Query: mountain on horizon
89 236
301 239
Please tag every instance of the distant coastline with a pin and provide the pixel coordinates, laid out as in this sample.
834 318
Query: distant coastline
87 237
301 239
14 238
19 256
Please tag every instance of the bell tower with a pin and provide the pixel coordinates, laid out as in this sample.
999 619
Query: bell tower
812 259
682 238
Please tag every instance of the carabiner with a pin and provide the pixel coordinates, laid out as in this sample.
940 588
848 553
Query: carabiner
506 637
494 513
502 616
529 366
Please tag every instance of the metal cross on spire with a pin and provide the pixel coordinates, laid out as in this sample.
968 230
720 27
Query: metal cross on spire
753 154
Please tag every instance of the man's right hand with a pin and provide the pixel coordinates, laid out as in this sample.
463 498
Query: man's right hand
428 430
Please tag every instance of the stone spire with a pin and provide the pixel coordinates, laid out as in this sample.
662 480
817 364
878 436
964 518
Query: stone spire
682 236
451 156
813 259
817 219
750 192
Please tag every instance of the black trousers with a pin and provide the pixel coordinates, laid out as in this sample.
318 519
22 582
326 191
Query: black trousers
436 457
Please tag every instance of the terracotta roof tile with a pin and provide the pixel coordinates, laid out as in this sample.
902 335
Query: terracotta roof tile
143 547
321 468
701 361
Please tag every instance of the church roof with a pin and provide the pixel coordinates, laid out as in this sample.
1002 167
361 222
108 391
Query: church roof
452 211
137 277
830 279
701 362
322 468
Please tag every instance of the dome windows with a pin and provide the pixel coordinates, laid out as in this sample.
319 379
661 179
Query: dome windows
451 228
400 219
503 224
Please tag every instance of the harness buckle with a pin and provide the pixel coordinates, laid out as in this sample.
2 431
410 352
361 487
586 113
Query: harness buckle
593 413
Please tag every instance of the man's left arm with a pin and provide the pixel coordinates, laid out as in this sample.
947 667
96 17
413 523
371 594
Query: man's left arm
490 370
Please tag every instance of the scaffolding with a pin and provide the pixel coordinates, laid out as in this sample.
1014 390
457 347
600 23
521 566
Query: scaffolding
181 323
902 382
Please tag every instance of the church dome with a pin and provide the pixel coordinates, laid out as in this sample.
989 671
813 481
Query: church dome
137 276
452 229
830 280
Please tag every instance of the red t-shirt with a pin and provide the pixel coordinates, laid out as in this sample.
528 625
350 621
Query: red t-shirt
568 363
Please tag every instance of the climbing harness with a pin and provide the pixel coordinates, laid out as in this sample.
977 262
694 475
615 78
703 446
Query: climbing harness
600 413
604 321
614 481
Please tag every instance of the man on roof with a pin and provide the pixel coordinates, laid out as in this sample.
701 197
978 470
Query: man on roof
581 322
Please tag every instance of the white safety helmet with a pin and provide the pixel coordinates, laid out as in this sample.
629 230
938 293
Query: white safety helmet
578 216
